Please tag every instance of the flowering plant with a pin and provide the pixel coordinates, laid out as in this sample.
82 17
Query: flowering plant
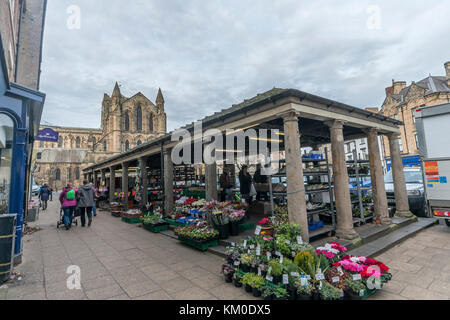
196 233
265 222
366 267
331 251
236 215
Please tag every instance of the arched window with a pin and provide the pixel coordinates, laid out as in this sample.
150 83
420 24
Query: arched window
78 143
60 142
77 173
139 142
127 122
139 119
127 145
6 160
104 145
150 123
58 174
94 142
69 174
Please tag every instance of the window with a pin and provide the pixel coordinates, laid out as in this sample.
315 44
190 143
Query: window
139 142
417 141
400 144
41 144
69 174
77 173
150 123
413 117
127 145
94 142
396 116
60 142
127 122
139 119
6 152
78 143
104 145
58 174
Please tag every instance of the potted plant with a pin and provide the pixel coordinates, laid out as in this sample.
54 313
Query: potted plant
276 270
228 272
257 283
268 292
266 227
281 294
247 280
245 262
328 292
237 277
304 292
235 218
355 289
221 220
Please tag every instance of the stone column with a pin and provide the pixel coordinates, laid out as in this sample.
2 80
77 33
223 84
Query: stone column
125 183
401 197
168 181
381 212
112 183
344 217
144 175
211 181
294 174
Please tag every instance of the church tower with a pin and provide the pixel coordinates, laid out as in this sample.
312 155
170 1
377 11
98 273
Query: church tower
162 118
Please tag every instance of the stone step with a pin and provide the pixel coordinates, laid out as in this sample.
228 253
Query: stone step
391 239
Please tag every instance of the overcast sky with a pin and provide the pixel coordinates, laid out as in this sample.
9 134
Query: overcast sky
207 55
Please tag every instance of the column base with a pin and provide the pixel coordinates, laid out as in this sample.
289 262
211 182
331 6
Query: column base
404 214
349 234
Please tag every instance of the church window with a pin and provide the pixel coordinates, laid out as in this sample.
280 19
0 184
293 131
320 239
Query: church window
60 142
127 122
127 145
104 145
77 173
139 119
78 143
94 142
139 142
150 123
41 144
58 174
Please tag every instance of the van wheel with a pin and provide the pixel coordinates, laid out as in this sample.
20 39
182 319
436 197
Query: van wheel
447 222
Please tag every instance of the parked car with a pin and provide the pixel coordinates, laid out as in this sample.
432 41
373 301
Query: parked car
35 190
414 188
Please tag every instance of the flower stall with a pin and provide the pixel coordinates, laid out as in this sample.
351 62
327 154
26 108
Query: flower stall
131 216
282 266
154 223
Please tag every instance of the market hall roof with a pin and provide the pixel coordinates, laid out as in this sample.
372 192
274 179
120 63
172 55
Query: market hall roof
276 101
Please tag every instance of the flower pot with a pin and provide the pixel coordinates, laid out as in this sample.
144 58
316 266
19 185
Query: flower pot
245 267
304 296
269 297
316 296
292 293
276 279
234 228
228 277
237 284
350 295
253 269
256 292
248 288
223 231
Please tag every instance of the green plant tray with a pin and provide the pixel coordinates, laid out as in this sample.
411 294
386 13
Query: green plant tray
155 229
149 213
172 222
131 220
201 246
246 226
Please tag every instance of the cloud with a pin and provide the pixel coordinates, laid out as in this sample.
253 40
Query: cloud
208 55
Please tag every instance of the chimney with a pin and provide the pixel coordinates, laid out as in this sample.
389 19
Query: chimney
447 72
398 86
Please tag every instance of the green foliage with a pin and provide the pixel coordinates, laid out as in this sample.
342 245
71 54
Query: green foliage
253 280
268 291
355 286
289 230
282 246
247 278
246 258
295 247
304 260
305 290
276 267
281 293
329 292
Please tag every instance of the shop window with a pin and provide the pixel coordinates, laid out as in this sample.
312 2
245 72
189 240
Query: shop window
139 119
60 142
150 123
127 122
58 174
6 151
78 143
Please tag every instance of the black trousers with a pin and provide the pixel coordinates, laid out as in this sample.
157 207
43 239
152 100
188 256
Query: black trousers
44 204
83 212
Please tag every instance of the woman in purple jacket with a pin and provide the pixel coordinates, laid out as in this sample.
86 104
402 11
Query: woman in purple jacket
68 206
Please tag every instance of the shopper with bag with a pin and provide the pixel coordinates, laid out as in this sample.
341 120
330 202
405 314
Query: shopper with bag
68 201
86 202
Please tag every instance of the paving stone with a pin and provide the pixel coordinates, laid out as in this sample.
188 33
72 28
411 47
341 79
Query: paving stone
193 293
418 293
176 284
141 288
153 268
163 276
120 297
192 273
394 286
208 281
408 267
99 282
384 295
104 292
75 294
440 286
157 295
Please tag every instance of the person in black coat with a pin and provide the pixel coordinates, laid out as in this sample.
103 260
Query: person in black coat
245 181
260 178
44 194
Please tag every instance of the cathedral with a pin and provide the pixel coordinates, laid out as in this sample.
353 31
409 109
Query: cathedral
125 124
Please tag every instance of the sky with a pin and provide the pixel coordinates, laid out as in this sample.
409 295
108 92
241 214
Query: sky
207 55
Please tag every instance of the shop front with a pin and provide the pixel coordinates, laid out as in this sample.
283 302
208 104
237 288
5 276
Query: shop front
20 114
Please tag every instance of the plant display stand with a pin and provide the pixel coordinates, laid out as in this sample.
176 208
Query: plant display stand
155 228
200 245
131 220
173 222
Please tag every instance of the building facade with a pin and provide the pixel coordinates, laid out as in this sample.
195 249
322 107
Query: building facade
401 101
21 104
125 124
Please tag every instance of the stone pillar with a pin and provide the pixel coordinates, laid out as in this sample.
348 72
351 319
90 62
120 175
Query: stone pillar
168 181
401 197
112 183
211 181
144 175
381 212
344 217
125 183
294 174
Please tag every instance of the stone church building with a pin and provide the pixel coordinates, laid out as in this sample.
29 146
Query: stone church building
125 124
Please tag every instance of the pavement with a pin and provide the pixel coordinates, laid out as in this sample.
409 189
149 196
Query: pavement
120 261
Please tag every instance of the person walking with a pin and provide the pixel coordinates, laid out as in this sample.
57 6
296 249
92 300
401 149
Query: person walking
68 201
245 181
44 194
86 202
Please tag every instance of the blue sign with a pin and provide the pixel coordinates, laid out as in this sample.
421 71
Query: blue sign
47 134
